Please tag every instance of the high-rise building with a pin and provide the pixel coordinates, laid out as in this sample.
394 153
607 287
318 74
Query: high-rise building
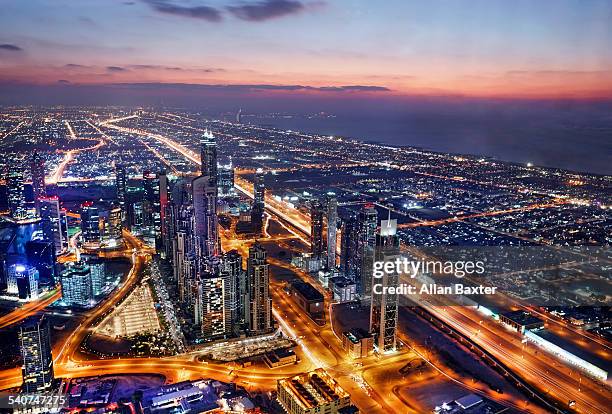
226 180
215 295
110 227
51 222
151 207
16 194
37 169
163 211
77 287
259 311
22 280
121 180
332 222
259 200
384 305
317 243
41 255
208 156
35 346
205 214
348 245
367 220
239 116
231 267
90 224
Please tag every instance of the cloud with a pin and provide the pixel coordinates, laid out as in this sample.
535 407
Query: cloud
208 13
75 66
266 9
116 69
253 87
63 82
10 48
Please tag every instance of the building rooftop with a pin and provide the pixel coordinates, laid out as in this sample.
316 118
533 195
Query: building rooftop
307 291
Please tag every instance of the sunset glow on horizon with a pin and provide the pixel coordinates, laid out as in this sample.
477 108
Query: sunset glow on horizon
497 49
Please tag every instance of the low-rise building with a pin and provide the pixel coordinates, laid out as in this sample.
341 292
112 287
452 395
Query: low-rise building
308 298
314 392
357 343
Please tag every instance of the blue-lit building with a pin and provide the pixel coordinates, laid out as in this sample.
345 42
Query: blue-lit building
23 281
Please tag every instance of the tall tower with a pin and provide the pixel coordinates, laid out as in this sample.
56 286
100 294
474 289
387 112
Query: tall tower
216 311
208 156
50 213
239 116
90 223
121 187
16 195
35 345
384 306
367 220
152 215
259 192
332 221
317 244
204 195
259 312
231 266
37 168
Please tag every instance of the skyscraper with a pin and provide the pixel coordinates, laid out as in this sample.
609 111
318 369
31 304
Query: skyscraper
90 224
151 207
226 179
41 255
348 245
384 306
35 345
204 197
16 195
22 280
317 244
231 267
77 287
259 191
205 215
37 167
332 221
259 311
51 222
367 220
208 156
121 187
216 312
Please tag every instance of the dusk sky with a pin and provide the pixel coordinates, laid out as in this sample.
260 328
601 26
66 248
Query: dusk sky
488 48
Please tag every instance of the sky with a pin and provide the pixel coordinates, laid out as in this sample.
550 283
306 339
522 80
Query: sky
520 49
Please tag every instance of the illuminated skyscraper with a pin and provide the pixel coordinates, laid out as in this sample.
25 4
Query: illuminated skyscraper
151 207
226 179
332 221
37 167
51 222
77 286
259 203
384 305
367 219
121 187
16 195
208 156
259 312
231 267
317 243
22 281
41 255
90 224
205 215
216 312
35 345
